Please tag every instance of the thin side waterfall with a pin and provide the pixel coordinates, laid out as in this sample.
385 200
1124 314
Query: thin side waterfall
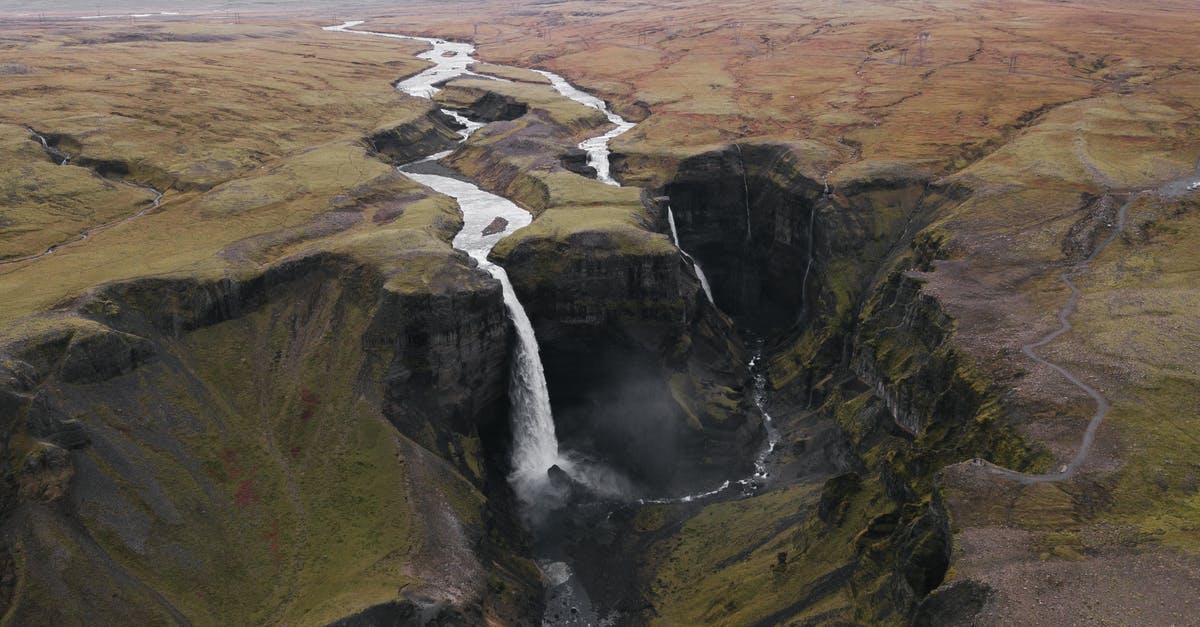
50 150
689 258
745 189
812 217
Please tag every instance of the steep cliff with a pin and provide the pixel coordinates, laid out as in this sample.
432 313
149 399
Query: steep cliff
825 273
290 446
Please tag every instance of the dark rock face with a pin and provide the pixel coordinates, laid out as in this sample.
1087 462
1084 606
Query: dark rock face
451 359
834 495
499 225
45 474
405 614
751 219
424 136
576 160
95 357
492 107
953 605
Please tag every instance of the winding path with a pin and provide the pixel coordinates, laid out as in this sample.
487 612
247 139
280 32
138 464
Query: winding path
1064 318
1170 189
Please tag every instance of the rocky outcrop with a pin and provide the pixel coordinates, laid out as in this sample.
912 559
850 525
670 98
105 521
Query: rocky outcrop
415 139
499 225
576 160
489 106
953 605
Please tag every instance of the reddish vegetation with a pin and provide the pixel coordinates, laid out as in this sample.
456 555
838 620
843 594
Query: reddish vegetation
246 496
272 538
310 403
229 460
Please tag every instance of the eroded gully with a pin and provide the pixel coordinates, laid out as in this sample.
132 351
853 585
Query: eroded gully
64 159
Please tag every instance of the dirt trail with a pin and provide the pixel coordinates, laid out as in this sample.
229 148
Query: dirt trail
1069 470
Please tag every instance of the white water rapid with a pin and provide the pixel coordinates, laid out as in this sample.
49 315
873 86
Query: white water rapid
595 147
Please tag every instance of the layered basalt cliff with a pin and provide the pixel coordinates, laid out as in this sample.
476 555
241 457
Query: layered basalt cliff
313 413
424 135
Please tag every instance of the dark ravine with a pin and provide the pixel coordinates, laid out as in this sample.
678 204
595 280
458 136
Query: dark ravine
64 159
857 342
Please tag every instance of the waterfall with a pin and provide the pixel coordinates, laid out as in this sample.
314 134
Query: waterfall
745 189
50 150
689 258
812 218
535 445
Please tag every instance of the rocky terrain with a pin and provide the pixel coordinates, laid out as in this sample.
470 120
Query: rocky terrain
245 378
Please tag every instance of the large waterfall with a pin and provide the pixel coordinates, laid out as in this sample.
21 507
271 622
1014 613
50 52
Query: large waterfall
535 445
